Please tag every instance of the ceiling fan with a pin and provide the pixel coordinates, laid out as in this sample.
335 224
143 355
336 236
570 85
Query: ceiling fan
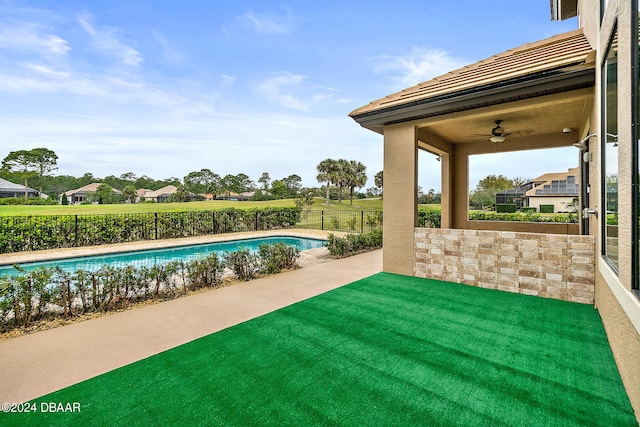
498 133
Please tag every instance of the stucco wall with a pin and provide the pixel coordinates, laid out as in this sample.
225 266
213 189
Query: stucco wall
546 265
623 338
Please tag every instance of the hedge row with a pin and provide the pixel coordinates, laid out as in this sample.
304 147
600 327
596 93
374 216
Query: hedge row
49 292
354 243
28 233
432 218
522 217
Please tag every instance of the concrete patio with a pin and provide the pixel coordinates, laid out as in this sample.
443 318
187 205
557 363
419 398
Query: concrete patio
40 363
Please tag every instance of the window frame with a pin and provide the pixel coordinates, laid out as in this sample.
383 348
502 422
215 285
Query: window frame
603 145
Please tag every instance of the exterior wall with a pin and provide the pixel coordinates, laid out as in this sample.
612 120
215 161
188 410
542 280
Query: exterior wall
400 202
618 305
546 265
559 203
623 337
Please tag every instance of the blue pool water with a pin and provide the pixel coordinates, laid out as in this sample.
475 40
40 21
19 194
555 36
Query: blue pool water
149 258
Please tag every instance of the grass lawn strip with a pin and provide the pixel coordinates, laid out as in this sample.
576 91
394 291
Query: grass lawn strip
385 350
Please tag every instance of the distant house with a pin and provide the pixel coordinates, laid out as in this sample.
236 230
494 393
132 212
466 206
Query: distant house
161 195
557 188
79 195
9 189
242 197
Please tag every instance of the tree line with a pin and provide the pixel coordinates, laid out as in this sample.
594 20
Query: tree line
35 168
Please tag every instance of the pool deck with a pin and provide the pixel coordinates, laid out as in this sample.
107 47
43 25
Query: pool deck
42 362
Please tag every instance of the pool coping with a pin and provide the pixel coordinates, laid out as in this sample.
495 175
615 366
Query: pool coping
83 251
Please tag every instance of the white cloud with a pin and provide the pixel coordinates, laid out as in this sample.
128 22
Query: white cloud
269 25
32 37
293 91
105 40
275 88
227 80
417 66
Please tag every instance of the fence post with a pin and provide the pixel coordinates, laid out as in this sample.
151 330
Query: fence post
155 220
215 225
256 221
75 242
361 222
322 222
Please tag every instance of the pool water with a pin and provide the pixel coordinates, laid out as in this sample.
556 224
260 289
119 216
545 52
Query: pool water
148 258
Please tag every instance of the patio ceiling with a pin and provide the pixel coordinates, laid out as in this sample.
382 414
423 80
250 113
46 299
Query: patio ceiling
531 123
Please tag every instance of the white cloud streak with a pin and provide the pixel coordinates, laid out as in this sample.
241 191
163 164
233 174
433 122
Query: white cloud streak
268 25
32 37
417 66
105 40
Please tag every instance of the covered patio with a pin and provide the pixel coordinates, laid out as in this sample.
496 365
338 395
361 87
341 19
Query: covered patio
537 96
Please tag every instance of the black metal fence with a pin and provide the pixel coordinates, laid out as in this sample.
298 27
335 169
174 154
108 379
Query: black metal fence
27 233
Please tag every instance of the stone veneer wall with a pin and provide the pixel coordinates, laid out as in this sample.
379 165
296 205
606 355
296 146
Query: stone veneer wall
546 265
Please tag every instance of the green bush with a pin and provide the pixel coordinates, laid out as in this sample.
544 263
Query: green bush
546 209
506 208
243 263
354 243
276 257
30 201
527 209
429 218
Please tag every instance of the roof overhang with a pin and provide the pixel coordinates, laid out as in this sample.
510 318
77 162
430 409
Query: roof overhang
525 87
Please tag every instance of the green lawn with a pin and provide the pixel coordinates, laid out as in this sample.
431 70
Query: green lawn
386 350
319 204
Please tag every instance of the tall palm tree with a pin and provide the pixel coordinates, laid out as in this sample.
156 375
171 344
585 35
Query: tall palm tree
342 174
327 173
356 177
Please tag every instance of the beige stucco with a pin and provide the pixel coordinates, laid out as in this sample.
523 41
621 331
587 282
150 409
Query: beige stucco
401 193
617 304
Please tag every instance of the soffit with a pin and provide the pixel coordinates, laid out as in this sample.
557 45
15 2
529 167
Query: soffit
545 60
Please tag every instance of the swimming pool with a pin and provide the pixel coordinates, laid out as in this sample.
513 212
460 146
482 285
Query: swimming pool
148 258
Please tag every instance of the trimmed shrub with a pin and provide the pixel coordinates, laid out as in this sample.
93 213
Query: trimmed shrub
243 263
429 218
546 209
527 209
276 257
505 208
352 244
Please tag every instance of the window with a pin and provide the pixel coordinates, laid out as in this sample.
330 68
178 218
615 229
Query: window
609 149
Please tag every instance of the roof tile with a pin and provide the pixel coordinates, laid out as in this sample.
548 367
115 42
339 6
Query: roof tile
559 51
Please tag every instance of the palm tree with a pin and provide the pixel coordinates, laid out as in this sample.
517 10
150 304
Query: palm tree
129 193
342 176
327 173
355 177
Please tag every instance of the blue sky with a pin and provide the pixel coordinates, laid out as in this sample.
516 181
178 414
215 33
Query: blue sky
162 88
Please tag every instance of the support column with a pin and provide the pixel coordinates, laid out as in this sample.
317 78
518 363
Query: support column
455 188
400 202
459 188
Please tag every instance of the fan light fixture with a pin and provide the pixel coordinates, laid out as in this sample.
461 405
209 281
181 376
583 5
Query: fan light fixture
497 138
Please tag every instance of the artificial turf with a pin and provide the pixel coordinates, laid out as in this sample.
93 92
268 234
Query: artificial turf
385 350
